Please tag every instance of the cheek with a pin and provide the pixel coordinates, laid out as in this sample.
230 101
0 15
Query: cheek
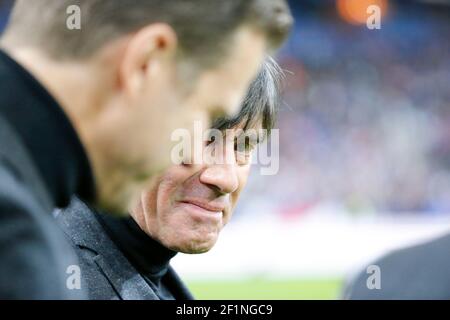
169 190
243 173
165 200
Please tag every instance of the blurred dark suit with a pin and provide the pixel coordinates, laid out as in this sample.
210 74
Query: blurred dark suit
108 269
42 164
5 8
416 273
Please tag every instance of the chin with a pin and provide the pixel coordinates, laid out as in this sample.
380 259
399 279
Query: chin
195 246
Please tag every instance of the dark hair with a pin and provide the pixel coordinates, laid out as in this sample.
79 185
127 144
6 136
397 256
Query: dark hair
202 26
262 102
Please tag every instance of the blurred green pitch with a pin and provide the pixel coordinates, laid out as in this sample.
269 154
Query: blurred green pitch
260 289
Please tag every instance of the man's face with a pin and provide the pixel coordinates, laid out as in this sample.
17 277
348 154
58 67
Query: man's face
188 205
140 145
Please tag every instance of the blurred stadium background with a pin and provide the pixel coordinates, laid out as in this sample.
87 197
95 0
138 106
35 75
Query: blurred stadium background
365 155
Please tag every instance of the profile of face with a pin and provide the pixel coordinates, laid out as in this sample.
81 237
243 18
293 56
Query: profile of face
188 205
152 98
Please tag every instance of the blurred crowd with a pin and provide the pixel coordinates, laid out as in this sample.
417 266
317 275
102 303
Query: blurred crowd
365 124
365 128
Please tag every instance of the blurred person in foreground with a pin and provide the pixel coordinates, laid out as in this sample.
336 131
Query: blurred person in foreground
89 110
184 210
419 272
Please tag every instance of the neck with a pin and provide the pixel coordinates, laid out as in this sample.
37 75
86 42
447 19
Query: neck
73 84
145 253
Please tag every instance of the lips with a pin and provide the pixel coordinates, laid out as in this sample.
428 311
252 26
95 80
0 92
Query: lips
208 206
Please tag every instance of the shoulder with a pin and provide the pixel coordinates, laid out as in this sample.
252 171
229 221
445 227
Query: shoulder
17 202
80 224
177 286
17 168
31 239
417 272
91 243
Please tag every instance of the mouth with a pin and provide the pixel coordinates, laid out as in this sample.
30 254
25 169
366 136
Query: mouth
203 208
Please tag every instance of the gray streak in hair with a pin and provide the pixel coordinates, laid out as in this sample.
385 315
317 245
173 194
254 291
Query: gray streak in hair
262 102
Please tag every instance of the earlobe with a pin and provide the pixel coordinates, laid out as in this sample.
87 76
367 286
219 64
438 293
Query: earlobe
147 50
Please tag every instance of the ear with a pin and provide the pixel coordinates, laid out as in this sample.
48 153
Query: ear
147 52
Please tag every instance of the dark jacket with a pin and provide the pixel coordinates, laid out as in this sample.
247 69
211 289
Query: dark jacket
106 272
415 273
42 164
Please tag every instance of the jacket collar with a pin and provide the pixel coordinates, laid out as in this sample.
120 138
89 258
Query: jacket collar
150 258
81 225
46 132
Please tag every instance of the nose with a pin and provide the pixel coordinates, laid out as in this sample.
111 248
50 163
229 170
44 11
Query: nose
222 176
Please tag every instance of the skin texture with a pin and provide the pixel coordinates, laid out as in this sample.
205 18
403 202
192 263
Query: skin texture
127 99
188 205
